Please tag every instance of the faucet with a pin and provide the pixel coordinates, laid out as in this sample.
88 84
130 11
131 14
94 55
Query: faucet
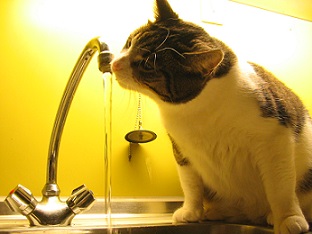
51 210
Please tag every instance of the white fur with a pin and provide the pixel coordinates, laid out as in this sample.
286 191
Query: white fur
252 162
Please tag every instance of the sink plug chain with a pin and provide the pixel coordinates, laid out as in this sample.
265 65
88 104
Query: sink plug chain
139 135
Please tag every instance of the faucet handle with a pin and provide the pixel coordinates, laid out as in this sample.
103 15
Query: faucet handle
20 199
81 199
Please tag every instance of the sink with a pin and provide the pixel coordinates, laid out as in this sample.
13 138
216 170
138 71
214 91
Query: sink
200 228
129 216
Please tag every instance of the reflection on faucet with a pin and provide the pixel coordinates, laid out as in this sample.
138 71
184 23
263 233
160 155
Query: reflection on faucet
51 210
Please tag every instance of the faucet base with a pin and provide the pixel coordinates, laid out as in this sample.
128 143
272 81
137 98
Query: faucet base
50 210
51 190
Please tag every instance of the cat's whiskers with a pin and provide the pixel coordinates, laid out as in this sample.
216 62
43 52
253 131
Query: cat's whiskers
170 48
155 56
145 49
167 36
154 61
167 48
146 60
157 49
195 53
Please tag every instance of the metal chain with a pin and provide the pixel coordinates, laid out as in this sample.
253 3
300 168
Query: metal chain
138 124
138 120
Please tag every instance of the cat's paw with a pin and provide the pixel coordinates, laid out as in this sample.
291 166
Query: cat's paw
293 225
184 215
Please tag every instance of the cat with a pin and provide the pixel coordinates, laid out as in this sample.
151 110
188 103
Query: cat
240 137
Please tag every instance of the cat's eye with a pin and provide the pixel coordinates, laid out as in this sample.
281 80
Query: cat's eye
128 43
148 66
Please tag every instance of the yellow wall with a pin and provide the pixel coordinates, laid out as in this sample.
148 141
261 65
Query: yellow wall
39 44
300 9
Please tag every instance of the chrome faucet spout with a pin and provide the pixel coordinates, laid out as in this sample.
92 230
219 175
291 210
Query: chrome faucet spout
104 59
51 210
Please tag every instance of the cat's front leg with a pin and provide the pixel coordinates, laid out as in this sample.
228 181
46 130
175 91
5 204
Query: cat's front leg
193 189
279 180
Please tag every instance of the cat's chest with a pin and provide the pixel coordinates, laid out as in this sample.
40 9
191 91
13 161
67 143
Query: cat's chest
221 157
211 142
214 137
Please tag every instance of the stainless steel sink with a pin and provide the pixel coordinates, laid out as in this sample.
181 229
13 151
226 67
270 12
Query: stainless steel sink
202 228
133 216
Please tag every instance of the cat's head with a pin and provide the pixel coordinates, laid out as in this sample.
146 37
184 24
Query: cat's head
168 59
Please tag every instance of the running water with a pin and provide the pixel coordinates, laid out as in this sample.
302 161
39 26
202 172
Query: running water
107 87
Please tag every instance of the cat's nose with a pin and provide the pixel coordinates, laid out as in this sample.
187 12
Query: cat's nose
120 62
115 65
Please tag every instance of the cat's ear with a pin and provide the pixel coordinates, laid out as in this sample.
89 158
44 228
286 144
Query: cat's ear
163 11
204 62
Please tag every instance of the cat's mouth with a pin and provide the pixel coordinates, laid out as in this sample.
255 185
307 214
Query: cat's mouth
123 73
124 81
128 82
123 78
